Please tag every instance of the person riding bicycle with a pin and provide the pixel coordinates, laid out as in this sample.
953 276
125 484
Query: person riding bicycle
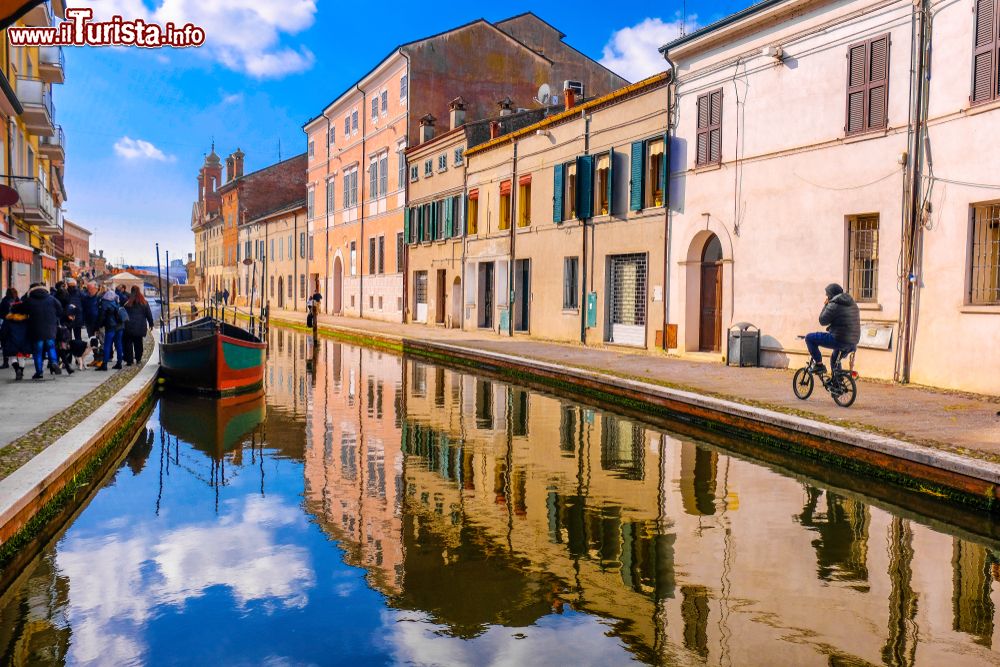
842 320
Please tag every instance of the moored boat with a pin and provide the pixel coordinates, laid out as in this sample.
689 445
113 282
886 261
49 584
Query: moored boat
213 357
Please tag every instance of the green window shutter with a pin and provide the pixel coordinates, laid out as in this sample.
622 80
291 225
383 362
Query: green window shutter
638 162
611 182
406 225
585 187
448 231
665 174
421 224
557 194
434 221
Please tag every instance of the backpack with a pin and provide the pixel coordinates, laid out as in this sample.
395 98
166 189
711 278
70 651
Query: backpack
122 316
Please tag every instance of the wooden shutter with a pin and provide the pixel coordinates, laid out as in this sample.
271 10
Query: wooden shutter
984 59
433 210
406 225
638 162
585 187
611 182
857 65
557 193
709 136
878 82
448 220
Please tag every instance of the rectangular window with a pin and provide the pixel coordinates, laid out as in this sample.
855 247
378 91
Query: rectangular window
302 284
399 252
472 214
442 162
403 89
414 173
986 52
354 121
381 254
984 260
347 125
312 149
385 102
375 108
272 287
371 256
428 167
291 246
654 177
569 191
272 250
302 245
354 258
383 174
602 184
524 201
401 165
333 134
867 85
458 156
351 187
571 288
373 179
329 196
311 204
310 246
290 285
505 190
709 137
862 244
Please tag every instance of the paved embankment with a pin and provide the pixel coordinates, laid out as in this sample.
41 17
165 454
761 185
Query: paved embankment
940 441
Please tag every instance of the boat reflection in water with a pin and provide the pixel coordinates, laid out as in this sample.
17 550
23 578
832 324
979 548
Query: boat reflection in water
383 510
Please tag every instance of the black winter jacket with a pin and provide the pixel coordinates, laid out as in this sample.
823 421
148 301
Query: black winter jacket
842 318
74 298
139 315
107 315
44 314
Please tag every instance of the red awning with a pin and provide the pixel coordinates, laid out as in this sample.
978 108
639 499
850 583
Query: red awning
48 262
12 251
524 180
474 194
505 187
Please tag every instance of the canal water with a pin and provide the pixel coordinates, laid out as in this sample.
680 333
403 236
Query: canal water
374 510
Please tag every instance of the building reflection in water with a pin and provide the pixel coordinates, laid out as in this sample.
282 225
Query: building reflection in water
480 503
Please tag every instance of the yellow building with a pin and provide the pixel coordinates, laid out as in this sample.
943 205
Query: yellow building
33 161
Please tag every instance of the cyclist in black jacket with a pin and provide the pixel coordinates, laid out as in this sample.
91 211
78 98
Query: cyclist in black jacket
842 320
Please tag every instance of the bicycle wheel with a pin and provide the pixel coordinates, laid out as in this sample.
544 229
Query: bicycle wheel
844 390
802 384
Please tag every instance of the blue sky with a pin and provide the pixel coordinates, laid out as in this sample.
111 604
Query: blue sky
138 122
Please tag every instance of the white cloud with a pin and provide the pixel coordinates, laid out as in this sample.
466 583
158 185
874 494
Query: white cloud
633 52
232 98
135 149
243 35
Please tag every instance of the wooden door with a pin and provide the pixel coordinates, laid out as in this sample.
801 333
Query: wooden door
441 287
710 331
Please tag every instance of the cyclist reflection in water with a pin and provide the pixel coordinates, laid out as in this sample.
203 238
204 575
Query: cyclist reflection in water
842 320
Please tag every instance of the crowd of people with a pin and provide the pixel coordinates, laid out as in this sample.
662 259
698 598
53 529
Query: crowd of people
45 327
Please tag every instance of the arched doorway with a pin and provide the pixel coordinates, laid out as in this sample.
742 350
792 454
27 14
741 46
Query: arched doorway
710 303
456 303
281 292
338 286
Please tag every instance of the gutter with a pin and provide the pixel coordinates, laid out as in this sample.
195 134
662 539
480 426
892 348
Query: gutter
718 25
667 213
361 201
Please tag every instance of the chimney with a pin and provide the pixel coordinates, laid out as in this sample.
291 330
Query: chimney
506 106
229 168
494 129
570 98
457 107
238 163
427 128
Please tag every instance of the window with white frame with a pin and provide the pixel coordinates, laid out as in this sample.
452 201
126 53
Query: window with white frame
373 178
374 108
442 162
385 102
458 156
404 89
350 187
347 125
311 204
354 121
401 163
312 149
329 195
428 167
333 134
414 173
383 173
354 258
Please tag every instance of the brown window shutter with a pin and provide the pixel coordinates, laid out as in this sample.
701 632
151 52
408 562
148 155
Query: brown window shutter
715 136
984 59
709 148
857 65
703 131
878 82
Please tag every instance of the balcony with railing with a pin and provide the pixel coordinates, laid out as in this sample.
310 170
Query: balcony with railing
51 64
36 99
54 147
39 16
36 206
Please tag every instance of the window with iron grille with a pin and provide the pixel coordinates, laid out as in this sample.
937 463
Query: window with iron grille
371 255
302 284
867 85
862 270
984 261
709 147
290 285
571 291
381 254
399 252
986 51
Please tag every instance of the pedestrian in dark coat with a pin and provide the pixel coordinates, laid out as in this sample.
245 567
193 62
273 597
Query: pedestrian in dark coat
59 292
14 334
139 316
842 319
90 300
9 299
74 298
122 294
114 325
44 315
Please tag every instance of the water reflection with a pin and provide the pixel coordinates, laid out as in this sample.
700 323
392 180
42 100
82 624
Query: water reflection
386 510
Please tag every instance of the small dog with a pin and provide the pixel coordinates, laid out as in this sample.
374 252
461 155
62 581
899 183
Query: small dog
78 350
95 347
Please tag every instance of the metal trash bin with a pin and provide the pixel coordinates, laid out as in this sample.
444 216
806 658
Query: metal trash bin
743 345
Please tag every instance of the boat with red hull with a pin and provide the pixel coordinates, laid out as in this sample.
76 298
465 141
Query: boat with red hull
213 357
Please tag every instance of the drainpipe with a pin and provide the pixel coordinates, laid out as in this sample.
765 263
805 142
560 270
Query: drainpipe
584 258
513 244
361 205
295 258
406 198
913 221
668 215
326 231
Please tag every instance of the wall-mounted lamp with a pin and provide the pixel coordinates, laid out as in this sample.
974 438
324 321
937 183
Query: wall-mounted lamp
773 51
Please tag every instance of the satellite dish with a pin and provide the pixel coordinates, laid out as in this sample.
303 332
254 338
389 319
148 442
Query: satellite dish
8 196
543 93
